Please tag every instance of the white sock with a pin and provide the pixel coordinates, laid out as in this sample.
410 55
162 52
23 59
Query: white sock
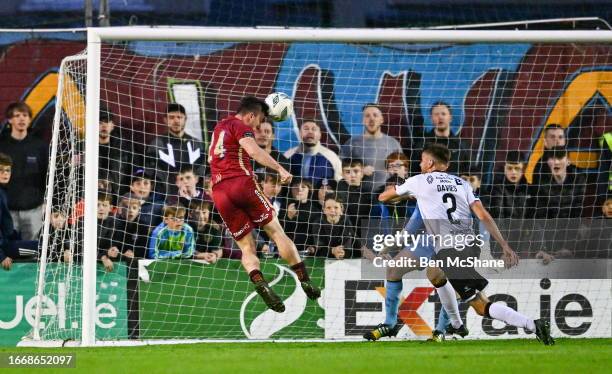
449 302
510 316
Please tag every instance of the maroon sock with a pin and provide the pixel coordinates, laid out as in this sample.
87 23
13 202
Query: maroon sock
256 276
300 270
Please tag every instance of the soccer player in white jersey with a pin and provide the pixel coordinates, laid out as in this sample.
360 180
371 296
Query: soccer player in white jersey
446 203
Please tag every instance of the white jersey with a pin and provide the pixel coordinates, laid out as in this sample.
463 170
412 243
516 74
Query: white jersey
444 201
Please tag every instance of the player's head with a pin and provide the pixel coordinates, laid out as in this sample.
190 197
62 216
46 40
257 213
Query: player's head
310 132
252 111
606 208
397 164
105 202
271 185
435 157
352 171
176 118
514 167
327 186
107 124
174 217
187 178
129 205
6 168
557 161
372 118
554 136
264 133
441 115
141 184
300 189
19 116
199 211
333 208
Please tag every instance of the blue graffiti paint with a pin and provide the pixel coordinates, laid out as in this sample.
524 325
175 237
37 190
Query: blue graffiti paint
447 73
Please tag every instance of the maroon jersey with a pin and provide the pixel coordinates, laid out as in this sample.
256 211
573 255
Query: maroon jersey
226 157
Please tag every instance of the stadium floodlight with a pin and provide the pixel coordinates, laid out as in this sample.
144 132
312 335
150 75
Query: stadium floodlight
134 72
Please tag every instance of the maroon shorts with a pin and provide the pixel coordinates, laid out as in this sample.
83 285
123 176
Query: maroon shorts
242 205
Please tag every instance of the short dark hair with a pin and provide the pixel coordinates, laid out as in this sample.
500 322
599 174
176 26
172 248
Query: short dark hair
297 181
441 103
333 196
251 104
553 126
187 169
106 117
371 105
175 107
514 157
351 162
18 106
272 177
175 211
309 120
6 160
555 152
199 204
103 196
439 152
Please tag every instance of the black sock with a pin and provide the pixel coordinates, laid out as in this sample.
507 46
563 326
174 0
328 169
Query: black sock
300 270
256 276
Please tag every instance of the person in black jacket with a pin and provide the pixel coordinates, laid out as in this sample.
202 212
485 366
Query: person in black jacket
10 245
30 155
301 213
129 233
356 192
554 136
167 154
510 195
334 235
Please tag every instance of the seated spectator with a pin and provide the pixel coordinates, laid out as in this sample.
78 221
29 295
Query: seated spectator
560 195
301 211
30 158
554 136
311 160
272 189
372 147
264 137
172 238
606 208
441 119
208 235
78 210
151 208
334 235
59 241
130 233
510 194
397 164
10 244
356 193
107 248
186 188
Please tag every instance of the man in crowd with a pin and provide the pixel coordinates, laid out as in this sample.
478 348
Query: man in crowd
30 155
311 160
167 154
373 146
554 136
264 137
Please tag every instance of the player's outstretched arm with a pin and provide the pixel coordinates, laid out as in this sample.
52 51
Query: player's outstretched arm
390 195
483 215
263 158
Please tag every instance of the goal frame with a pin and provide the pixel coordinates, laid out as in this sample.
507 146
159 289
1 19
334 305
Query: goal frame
96 36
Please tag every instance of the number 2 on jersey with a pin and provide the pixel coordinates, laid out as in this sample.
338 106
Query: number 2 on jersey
217 145
449 211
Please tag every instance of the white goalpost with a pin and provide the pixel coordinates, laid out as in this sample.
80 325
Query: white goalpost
504 88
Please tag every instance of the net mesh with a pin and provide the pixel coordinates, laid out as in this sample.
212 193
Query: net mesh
491 104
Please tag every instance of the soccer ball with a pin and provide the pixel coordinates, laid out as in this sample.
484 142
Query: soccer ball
280 106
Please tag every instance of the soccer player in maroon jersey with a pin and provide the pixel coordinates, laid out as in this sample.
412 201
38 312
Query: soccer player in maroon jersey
240 201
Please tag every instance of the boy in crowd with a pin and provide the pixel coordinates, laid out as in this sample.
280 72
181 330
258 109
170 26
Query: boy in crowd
397 164
10 245
334 235
107 250
186 188
208 235
271 188
141 187
172 238
355 193
129 232
510 196
301 212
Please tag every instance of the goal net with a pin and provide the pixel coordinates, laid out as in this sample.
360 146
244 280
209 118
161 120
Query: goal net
527 121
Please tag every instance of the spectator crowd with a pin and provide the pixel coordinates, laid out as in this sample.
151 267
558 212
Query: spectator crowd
155 201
